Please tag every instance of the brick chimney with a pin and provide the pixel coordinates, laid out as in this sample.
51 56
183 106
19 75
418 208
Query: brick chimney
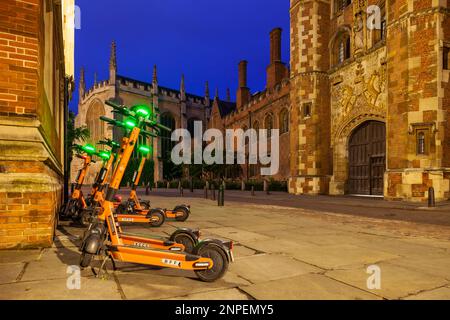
276 71
243 93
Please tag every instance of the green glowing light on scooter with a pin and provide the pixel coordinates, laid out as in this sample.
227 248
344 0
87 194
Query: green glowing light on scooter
130 124
145 149
142 111
104 155
88 148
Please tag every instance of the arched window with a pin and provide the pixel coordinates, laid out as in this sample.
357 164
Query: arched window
341 48
256 127
268 124
284 121
379 32
94 124
166 144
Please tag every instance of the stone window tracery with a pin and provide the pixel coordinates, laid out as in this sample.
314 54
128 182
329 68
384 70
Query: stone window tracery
284 121
268 124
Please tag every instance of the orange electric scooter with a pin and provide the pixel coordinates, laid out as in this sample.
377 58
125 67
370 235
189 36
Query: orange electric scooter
100 180
77 202
185 236
135 211
210 258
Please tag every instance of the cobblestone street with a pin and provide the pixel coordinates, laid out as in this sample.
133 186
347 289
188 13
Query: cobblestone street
281 253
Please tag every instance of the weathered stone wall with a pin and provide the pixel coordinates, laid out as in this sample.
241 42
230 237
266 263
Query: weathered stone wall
31 123
310 138
270 102
417 100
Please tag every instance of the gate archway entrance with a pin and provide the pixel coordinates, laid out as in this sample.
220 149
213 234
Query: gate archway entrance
367 159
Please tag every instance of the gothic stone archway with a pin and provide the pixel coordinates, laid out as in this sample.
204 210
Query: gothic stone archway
344 150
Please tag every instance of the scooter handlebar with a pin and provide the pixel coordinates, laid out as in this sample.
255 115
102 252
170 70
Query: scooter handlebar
118 108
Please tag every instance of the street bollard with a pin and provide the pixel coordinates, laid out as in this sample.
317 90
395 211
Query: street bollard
213 191
431 198
168 185
206 192
147 189
266 187
243 185
221 196
181 192
253 191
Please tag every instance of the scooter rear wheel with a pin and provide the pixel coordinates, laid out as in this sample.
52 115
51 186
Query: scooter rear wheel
186 240
220 263
86 259
183 217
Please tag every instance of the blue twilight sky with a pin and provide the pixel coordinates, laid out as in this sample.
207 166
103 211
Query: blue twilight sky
204 39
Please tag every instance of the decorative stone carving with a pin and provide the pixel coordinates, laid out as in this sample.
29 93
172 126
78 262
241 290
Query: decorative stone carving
360 95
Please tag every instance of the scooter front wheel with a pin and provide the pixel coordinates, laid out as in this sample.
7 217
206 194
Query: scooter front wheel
86 259
220 263
182 214
85 218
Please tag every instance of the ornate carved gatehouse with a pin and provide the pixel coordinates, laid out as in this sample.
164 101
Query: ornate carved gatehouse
370 106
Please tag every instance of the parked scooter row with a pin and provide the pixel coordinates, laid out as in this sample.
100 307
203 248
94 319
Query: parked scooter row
104 238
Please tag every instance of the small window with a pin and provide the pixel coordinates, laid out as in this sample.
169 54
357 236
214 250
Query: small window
422 148
307 110
446 64
342 48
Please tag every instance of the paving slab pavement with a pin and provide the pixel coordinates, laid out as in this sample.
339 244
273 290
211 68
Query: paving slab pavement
281 253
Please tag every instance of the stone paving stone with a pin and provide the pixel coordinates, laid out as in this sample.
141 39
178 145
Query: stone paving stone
226 294
436 294
9 272
53 264
335 256
306 287
436 266
236 234
396 281
90 289
268 267
240 251
153 286
15 256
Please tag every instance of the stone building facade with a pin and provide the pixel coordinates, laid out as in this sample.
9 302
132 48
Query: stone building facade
177 108
36 54
267 109
370 105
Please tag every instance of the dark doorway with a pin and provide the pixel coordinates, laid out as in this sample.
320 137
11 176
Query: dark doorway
367 159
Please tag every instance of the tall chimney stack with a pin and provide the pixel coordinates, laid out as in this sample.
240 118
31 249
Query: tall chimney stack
243 93
275 45
243 74
276 71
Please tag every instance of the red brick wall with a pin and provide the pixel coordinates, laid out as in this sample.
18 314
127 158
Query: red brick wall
30 184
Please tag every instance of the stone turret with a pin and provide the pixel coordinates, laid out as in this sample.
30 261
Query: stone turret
82 85
113 64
